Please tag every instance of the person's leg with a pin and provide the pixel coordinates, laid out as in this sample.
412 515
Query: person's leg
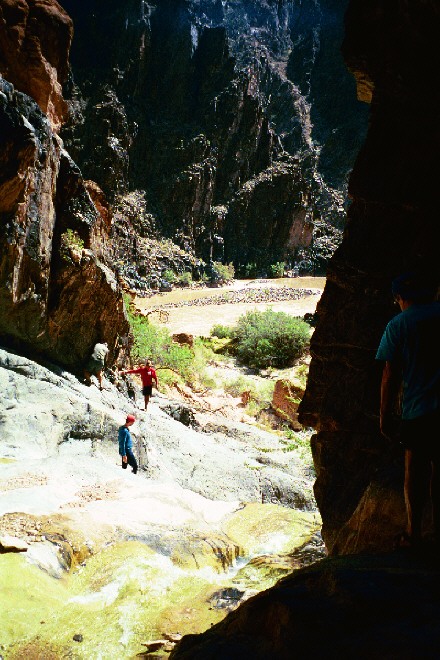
433 432
146 391
87 377
99 377
132 461
417 469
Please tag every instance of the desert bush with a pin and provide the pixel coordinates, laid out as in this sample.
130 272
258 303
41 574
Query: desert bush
185 279
221 331
270 338
250 270
169 276
277 269
225 272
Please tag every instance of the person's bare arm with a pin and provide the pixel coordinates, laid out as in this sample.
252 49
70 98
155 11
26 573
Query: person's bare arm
388 395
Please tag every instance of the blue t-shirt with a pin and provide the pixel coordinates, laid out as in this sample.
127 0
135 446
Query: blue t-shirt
125 441
412 339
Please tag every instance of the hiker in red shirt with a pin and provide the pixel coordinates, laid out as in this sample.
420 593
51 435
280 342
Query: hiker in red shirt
148 375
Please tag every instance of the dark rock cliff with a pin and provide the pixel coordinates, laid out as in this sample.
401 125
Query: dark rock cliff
207 108
392 225
56 295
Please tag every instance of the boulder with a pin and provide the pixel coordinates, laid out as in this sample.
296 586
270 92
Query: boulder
12 544
286 398
183 339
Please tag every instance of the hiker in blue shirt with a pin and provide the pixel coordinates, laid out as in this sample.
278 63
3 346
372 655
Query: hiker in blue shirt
126 445
410 348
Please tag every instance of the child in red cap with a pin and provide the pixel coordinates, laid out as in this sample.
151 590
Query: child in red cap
126 445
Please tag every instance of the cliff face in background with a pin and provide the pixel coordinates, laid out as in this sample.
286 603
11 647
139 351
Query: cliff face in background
35 38
392 225
207 109
56 299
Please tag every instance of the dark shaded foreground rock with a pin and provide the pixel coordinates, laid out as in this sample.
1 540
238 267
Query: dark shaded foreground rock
392 225
352 607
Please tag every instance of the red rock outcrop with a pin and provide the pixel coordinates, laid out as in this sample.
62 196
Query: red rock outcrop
57 298
285 401
35 38
392 225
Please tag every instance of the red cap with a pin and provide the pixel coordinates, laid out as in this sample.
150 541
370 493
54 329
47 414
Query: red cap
130 418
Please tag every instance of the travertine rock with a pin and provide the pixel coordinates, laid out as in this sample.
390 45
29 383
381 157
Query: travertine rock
35 37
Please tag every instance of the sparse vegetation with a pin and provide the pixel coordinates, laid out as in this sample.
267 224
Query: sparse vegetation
155 342
226 272
70 242
299 442
277 269
169 276
185 279
259 392
222 331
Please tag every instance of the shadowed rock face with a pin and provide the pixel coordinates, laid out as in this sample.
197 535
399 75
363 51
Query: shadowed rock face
54 301
353 606
392 225
35 37
205 106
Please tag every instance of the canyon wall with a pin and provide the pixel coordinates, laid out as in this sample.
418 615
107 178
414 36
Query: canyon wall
57 296
216 113
392 226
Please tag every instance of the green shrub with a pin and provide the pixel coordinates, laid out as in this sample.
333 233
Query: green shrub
169 276
260 392
185 279
155 343
221 331
250 270
277 270
225 272
270 338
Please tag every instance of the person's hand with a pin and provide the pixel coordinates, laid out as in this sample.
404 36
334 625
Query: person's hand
124 459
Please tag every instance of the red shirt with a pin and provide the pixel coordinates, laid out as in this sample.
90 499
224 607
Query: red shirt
147 374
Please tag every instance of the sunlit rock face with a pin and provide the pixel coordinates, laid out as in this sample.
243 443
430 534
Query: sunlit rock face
35 37
210 107
392 225
55 301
